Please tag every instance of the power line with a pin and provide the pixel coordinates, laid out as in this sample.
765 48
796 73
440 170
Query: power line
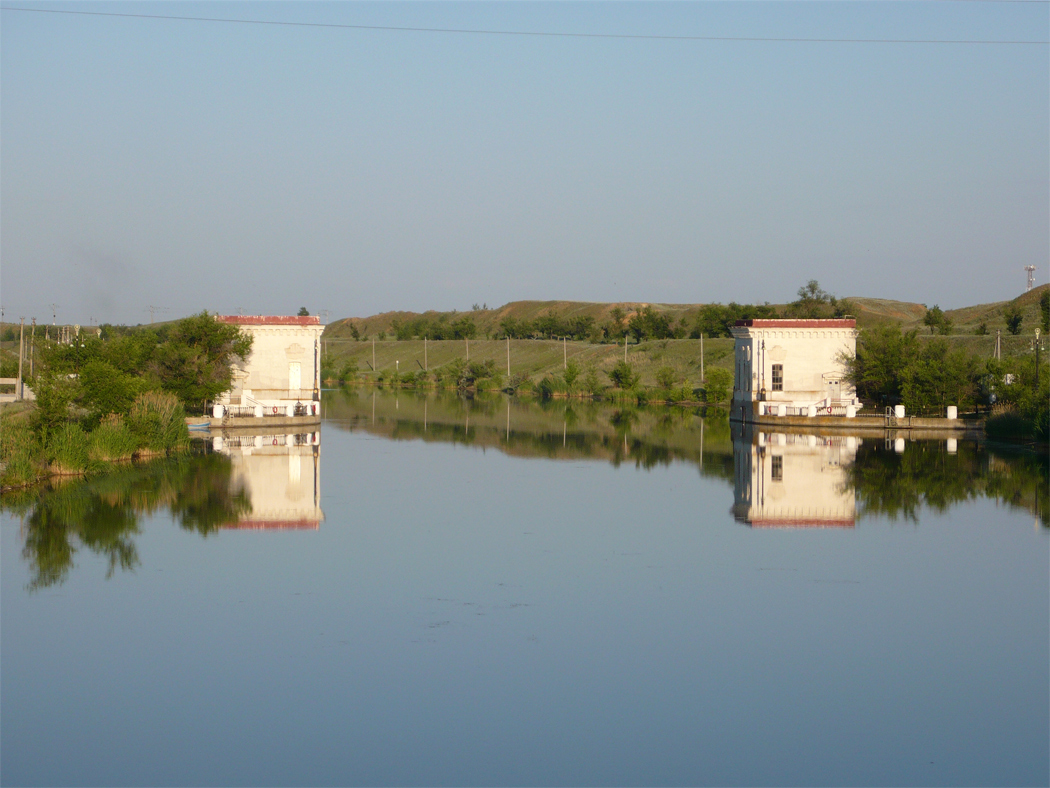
526 33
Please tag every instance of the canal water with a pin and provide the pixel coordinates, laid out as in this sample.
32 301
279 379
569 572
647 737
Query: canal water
447 591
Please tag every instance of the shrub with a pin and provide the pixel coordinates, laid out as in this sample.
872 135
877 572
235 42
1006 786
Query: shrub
665 376
719 384
623 375
591 384
158 422
571 374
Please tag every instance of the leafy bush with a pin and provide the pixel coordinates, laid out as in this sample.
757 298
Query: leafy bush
571 375
104 389
719 384
623 375
666 377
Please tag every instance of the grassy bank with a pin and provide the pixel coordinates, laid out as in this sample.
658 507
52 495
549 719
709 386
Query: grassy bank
32 450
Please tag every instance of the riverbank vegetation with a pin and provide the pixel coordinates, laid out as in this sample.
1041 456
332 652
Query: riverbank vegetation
102 399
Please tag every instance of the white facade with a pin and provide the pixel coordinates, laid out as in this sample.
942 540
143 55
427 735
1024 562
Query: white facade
284 365
794 363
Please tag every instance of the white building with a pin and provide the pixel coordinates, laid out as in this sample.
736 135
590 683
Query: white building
284 367
795 367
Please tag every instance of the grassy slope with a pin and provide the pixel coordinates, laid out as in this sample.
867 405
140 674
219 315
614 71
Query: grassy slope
539 357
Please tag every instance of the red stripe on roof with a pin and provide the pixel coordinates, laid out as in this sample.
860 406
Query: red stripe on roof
765 322
269 320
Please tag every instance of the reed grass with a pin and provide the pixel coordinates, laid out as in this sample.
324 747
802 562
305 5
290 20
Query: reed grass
158 422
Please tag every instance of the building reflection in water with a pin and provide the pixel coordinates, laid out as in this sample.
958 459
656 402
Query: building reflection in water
281 476
793 481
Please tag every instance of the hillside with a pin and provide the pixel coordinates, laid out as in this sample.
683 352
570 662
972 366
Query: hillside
869 312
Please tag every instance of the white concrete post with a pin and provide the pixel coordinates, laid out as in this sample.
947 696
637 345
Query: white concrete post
953 412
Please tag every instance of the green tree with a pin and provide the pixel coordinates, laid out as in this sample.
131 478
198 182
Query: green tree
623 375
571 374
937 321
1013 316
719 384
196 362
303 312
1044 309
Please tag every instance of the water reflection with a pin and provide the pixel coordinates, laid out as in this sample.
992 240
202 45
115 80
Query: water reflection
778 479
101 514
793 480
273 481
280 475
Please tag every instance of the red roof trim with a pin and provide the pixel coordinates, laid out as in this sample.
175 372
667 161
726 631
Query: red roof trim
761 322
269 320
275 525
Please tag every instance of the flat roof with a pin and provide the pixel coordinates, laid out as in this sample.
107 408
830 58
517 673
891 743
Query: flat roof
269 320
765 322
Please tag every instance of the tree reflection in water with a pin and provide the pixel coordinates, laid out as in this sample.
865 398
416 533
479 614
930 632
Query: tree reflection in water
102 513
925 474
886 483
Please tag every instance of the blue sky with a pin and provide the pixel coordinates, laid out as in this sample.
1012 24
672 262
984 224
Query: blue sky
197 165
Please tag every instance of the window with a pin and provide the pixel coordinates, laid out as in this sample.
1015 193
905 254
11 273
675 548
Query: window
778 377
777 468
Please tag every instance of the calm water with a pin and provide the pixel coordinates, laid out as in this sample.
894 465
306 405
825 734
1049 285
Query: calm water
438 591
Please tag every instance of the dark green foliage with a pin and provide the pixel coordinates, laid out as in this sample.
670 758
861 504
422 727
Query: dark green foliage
105 389
1013 316
303 312
54 394
196 362
623 375
982 329
815 303
892 366
1044 310
716 320
650 324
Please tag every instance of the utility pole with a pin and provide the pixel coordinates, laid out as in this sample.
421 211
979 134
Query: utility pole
1037 360
21 353
54 314
701 356
32 346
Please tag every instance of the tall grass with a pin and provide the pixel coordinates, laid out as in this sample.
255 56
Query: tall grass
112 440
67 449
22 457
158 422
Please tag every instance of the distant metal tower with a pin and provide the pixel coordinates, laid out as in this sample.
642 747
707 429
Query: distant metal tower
1031 277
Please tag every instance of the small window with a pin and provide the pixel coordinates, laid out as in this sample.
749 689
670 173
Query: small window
778 377
777 468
